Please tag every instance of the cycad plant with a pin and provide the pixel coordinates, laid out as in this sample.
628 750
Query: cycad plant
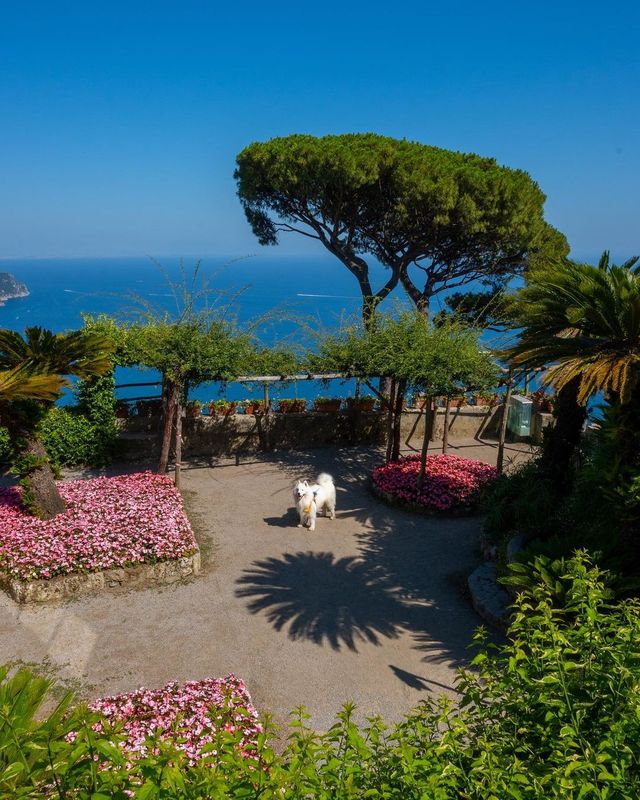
33 372
582 324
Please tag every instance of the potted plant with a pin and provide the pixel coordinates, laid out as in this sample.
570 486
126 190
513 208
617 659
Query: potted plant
253 406
122 409
149 408
459 402
485 399
221 408
193 408
327 404
542 402
363 403
292 406
418 401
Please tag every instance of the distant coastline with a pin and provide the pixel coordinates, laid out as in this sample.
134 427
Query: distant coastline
11 288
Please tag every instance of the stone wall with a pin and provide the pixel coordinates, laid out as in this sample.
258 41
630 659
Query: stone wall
245 433
76 583
468 422
242 433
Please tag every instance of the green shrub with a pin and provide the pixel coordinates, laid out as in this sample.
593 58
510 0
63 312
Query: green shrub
83 435
6 449
69 438
554 713
525 501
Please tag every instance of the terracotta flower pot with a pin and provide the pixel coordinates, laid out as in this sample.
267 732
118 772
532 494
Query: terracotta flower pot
458 402
327 406
361 404
222 410
296 406
484 399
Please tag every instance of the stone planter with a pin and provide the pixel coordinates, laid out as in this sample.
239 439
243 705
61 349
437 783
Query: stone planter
76 584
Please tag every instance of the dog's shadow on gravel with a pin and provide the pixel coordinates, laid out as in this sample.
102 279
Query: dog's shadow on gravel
288 520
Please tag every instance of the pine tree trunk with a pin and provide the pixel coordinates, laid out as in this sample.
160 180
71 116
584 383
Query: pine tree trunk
40 493
503 425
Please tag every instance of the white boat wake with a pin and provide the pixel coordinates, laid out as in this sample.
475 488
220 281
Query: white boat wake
336 296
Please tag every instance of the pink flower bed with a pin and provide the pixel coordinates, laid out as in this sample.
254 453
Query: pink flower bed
450 481
188 715
109 522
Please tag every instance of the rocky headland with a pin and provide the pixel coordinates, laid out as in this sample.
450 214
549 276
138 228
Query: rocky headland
11 288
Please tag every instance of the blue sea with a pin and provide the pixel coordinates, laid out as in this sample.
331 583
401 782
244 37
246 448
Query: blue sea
297 295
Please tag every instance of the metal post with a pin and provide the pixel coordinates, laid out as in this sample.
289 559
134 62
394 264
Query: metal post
179 412
445 432
267 409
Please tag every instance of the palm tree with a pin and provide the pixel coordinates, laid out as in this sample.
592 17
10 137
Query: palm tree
32 376
18 384
582 323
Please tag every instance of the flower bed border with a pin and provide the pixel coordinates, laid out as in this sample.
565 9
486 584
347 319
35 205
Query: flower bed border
417 508
74 584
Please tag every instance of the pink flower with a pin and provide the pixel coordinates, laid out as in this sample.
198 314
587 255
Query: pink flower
188 715
450 481
109 522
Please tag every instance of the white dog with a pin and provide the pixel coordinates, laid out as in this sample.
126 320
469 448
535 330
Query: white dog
312 498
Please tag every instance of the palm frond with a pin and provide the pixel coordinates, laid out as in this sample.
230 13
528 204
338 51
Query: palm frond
582 322
18 384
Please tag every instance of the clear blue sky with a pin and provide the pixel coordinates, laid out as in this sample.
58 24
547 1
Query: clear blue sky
120 121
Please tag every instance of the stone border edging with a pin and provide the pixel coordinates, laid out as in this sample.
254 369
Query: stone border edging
416 508
75 584
488 597
491 599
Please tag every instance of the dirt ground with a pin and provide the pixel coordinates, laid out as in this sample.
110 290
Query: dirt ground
370 607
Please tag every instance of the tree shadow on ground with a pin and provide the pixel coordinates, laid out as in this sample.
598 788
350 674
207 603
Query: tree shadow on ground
403 579
322 599
418 682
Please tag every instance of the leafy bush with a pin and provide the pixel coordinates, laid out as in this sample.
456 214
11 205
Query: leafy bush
68 437
554 713
6 449
83 435
523 502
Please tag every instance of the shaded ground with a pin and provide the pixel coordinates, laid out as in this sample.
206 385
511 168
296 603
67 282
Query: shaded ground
368 608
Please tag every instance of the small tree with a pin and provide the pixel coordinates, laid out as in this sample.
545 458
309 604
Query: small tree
445 360
186 353
411 352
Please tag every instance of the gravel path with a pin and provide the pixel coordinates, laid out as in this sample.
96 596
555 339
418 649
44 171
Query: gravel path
368 608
